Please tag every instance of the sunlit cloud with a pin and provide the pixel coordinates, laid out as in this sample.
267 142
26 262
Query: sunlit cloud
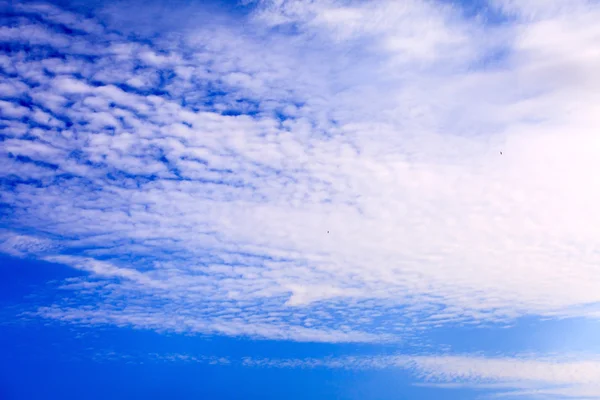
325 171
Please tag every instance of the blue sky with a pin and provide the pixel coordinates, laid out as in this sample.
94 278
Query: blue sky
300 199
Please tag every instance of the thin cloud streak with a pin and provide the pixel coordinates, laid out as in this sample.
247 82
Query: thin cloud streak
571 376
516 376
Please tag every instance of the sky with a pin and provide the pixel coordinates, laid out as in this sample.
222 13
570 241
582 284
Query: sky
266 199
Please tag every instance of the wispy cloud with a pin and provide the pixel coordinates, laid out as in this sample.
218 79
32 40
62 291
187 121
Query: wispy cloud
512 376
326 171
520 376
111 356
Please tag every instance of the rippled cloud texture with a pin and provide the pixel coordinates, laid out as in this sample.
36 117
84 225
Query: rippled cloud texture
331 171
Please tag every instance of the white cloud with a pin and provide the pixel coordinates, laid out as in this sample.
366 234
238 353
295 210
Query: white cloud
516 376
310 185
109 356
247 321
24 245
519 376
